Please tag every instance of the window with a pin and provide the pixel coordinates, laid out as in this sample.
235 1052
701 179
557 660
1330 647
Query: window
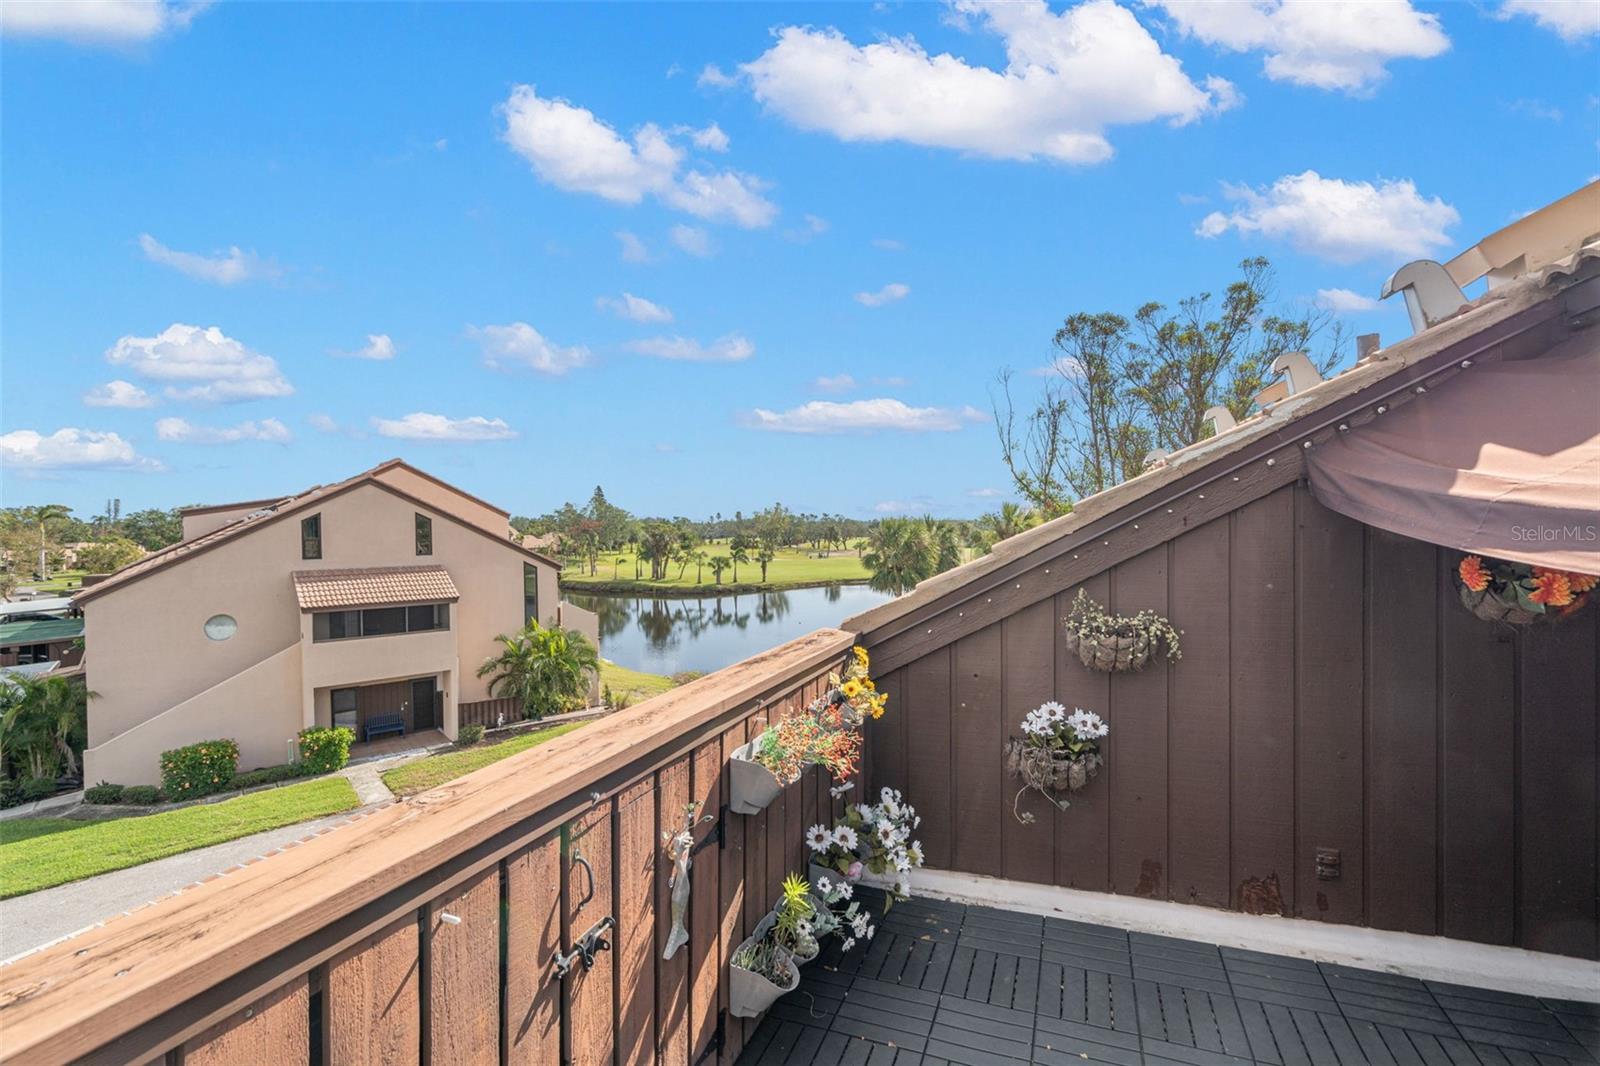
424 535
311 537
379 621
344 707
221 627
530 593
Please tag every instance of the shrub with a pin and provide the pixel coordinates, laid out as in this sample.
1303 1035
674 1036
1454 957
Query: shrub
199 769
683 677
104 792
267 775
141 795
38 788
324 750
469 735
10 793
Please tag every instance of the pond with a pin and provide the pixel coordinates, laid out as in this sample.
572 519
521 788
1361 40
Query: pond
668 634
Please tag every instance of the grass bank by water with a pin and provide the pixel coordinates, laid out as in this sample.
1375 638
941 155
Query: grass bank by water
435 770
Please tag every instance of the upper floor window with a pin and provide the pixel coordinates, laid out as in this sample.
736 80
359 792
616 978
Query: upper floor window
530 593
311 537
424 535
379 621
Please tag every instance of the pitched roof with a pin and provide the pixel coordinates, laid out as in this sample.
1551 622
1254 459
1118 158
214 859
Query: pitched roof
372 586
40 631
312 497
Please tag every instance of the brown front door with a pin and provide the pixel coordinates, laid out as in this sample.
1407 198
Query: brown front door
422 691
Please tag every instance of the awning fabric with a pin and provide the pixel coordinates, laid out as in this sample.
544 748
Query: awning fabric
321 590
1502 460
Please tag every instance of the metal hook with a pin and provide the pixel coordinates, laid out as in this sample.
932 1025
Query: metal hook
579 860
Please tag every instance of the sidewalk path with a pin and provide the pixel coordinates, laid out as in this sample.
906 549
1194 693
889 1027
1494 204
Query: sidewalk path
41 918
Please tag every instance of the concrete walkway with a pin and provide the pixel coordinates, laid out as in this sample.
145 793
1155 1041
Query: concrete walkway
39 919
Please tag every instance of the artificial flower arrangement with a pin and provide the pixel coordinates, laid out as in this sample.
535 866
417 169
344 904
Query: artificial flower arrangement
765 966
1117 642
837 911
1498 590
826 733
873 838
1057 752
833 851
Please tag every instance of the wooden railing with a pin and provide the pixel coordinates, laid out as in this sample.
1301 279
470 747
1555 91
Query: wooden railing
425 932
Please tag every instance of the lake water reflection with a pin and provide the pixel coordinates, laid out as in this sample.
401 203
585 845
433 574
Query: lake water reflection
664 635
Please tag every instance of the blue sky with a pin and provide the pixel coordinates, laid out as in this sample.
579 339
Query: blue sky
251 247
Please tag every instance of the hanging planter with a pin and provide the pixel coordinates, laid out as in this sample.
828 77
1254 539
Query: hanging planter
1516 594
1116 643
759 973
1057 752
752 785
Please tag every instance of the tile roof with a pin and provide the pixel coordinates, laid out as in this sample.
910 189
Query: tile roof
372 587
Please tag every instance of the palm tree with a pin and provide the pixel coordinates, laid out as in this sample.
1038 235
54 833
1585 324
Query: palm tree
618 561
43 723
43 518
739 552
946 542
899 555
700 558
718 564
1010 520
764 555
544 669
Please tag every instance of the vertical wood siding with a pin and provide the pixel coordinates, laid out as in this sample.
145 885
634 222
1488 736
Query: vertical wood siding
1333 694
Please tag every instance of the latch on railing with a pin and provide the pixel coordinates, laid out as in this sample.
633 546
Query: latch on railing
589 945
717 834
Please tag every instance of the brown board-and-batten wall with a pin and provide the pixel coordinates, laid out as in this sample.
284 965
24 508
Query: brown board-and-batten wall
1332 694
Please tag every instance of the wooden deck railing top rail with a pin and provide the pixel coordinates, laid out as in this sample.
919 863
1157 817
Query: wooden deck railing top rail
148 982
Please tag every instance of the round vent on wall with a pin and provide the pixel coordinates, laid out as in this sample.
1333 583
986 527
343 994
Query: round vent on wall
221 626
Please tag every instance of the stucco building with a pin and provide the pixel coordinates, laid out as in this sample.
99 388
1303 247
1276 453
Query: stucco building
347 604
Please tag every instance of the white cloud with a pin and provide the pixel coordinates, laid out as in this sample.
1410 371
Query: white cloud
814 226
711 138
1344 301
1572 19
694 240
666 448
633 308
571 148
712 77
206 365
182 431
27 450
1342 221
118 394
836 383
1067 78
379 347
985 494
322 423
102 22
901 506
520 344
863 416
633 249
1065 365
887 295
1345 45
888 244
729 349
221 268
421 426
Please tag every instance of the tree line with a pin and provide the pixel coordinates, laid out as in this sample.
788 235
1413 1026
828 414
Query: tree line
34 540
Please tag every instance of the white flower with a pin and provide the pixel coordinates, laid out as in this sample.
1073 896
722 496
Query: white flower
843 890
885 833
838 790
845 837
818 838
824 885
1052 708
858 923
849 942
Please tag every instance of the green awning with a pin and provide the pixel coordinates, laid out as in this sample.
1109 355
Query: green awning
40 631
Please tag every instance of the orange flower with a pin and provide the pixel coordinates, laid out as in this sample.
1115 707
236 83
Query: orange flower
1473 575
1582 582
1551 588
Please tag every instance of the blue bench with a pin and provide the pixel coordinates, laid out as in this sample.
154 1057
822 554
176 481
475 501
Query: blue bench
379 724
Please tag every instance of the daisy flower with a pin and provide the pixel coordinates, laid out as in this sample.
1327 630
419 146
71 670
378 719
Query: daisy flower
818 838
845 837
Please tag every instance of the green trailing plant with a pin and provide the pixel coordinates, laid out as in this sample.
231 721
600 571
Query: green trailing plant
142 795
1107 641
324 749
468 735
104 792
199 769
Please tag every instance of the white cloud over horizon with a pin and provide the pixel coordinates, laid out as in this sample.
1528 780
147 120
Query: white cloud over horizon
633 308
228 267
201 364
835 383
574 150
423 426
694 240
890 293
1345 46
731 348
182 431
1573 20
1341 221
1345 301
28 451
118 393
1068 78
115 23
863 416
519 344
379 347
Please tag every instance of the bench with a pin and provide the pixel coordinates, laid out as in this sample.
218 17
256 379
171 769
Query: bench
379 724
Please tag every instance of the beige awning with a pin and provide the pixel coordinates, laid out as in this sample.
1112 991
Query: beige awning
323 590
1502 460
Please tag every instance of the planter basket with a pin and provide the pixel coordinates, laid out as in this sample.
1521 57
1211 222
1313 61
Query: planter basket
752 786
750 994
1110 653
814 871
1493 609
1057 771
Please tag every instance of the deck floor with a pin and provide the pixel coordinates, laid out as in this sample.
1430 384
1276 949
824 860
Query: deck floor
947 983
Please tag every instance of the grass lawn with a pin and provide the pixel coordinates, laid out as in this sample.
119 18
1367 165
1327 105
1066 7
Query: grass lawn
793 568
57 583
434 770
39 853
635 683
